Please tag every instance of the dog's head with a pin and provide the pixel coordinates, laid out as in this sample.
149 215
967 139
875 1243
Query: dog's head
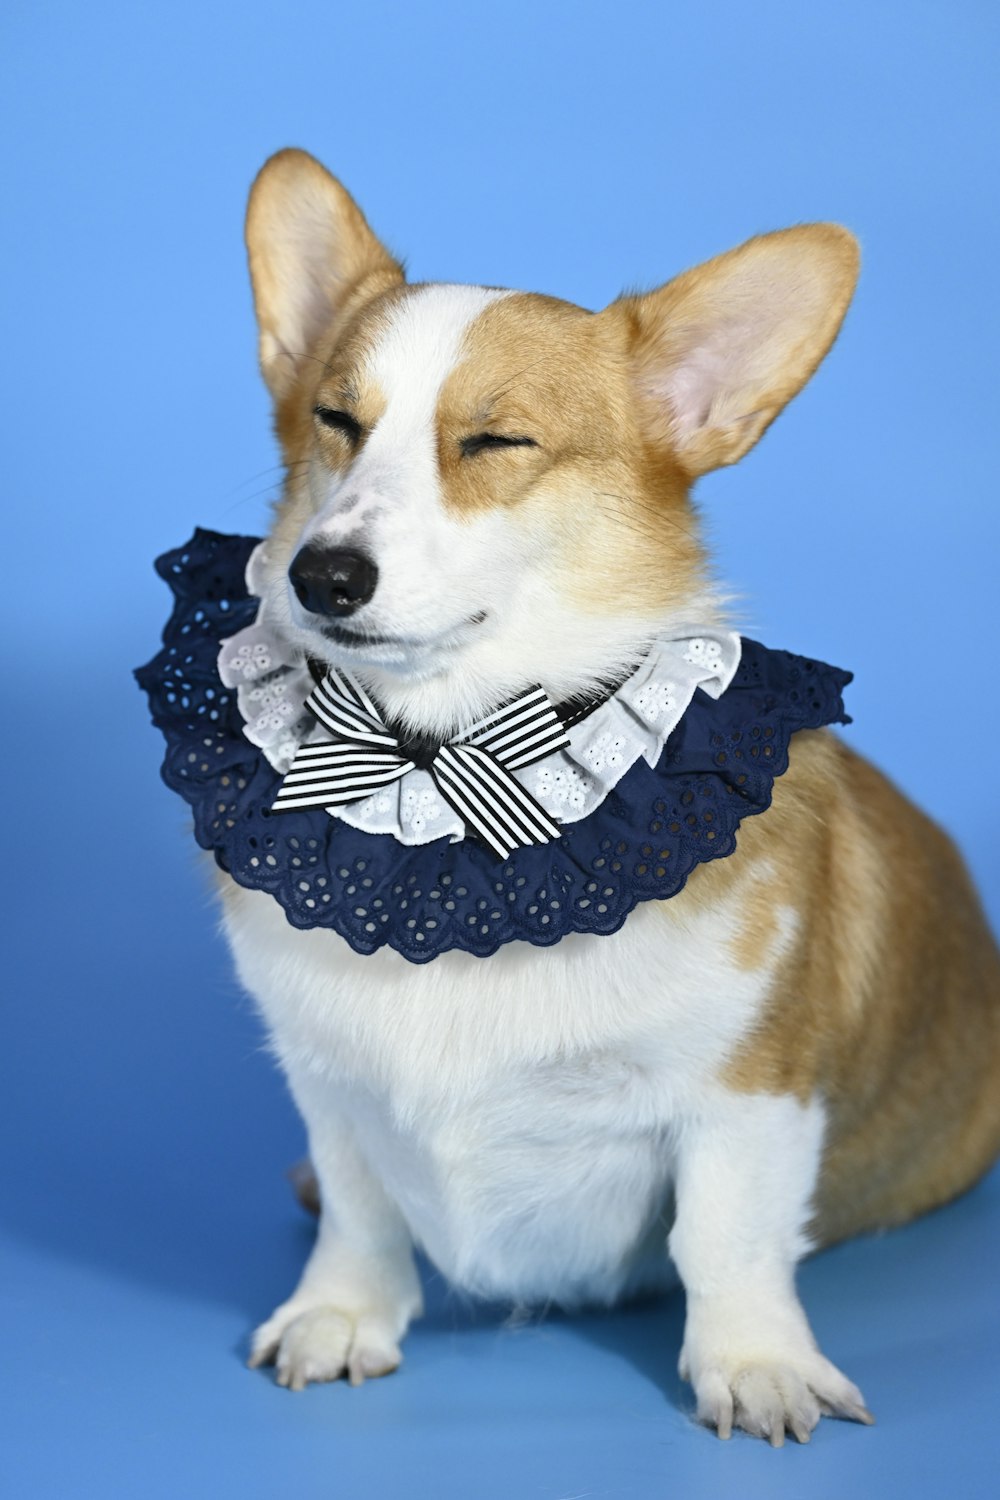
489 489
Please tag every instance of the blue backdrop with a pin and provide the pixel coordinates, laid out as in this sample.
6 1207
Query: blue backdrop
573 149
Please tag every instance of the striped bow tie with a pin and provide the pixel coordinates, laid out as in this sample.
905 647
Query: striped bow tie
472 773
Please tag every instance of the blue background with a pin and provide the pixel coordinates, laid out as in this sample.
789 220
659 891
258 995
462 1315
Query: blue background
572 149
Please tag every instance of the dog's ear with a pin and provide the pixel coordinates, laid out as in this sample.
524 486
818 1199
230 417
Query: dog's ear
719 351
310 249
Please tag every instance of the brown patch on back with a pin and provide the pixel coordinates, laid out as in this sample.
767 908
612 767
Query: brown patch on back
887 1003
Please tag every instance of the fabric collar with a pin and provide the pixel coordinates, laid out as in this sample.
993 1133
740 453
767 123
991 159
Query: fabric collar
661 816
606 736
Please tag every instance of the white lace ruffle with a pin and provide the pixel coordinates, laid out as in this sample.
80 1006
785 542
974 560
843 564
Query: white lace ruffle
272 683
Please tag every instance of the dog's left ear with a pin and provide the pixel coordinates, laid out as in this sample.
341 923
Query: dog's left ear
719 351
310 250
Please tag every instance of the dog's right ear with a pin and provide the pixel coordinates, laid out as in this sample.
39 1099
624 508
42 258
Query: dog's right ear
310 249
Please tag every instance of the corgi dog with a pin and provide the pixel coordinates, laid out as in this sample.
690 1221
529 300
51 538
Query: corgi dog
486 491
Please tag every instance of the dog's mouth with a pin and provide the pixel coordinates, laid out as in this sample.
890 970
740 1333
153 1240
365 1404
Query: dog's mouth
360 640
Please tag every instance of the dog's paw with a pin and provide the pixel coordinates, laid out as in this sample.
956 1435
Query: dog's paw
324 1343
769 1396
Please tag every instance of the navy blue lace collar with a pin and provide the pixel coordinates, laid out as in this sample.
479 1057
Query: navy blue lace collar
641 844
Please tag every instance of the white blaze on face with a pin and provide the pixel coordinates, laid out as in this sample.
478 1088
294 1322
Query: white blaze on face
470 606
433 568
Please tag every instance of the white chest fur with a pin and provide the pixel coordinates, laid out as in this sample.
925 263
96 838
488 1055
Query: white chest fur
521 1109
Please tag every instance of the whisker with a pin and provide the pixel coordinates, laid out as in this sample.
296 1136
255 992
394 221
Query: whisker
268 489
275 468
660 516
323 363
246 500
502 389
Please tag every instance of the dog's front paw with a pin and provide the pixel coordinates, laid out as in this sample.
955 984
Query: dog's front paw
769 1394
754 1364
324 1343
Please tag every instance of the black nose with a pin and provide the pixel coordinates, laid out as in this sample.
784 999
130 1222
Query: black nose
332 580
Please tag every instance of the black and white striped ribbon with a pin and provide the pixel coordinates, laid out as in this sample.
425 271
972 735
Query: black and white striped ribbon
473 773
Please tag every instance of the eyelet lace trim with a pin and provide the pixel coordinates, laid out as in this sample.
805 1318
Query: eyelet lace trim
652 828
272 684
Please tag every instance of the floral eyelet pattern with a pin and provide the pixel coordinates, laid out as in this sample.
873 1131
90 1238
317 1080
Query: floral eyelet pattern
656 700
608 750
702 652
653 826
251 661
565 787
570 783
420 808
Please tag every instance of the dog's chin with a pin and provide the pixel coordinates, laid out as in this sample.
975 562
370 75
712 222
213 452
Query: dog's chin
409 660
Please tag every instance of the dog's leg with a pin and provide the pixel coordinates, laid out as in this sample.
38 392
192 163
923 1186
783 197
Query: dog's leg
746 1173
359 1289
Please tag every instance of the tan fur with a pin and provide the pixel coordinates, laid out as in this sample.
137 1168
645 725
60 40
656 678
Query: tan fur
593 481
888 1003
314 262
512 380
850 1073
537 367
332 374
763 315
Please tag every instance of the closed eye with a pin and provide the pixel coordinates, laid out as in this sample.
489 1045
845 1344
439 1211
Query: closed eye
340 421
470 446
